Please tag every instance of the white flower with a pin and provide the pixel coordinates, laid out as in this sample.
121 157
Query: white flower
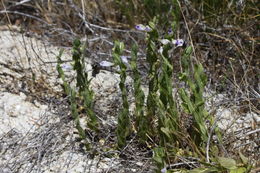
160 50
106 64
165 41
124 59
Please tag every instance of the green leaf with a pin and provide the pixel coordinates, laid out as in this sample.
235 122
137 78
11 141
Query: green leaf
159 155
183 77
239 170
188 50
199 103
76 43
243 158
166 131
204 170
158 159
167 62
227 163
152 25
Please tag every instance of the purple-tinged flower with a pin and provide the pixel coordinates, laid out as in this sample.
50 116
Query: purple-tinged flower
164 170
66 67
141 27
170 32
148 29
178 42
106 64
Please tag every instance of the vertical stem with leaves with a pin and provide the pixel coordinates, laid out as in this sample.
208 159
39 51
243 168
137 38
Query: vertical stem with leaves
83 83
141 121
193 101
124 126
169 122
154 64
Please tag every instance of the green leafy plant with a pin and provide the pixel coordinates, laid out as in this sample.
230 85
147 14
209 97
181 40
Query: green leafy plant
224 164
72 98
169 122
154 63
192 100
83 83
84 92
66 86
124 126
159 156
141 120
157 119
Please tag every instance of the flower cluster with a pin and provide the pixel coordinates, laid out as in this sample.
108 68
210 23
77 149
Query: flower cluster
141 27
177 43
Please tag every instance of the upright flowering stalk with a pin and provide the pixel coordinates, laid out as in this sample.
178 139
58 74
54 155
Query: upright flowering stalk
168 124
141 121
83 83
154 63
69 91
124 126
